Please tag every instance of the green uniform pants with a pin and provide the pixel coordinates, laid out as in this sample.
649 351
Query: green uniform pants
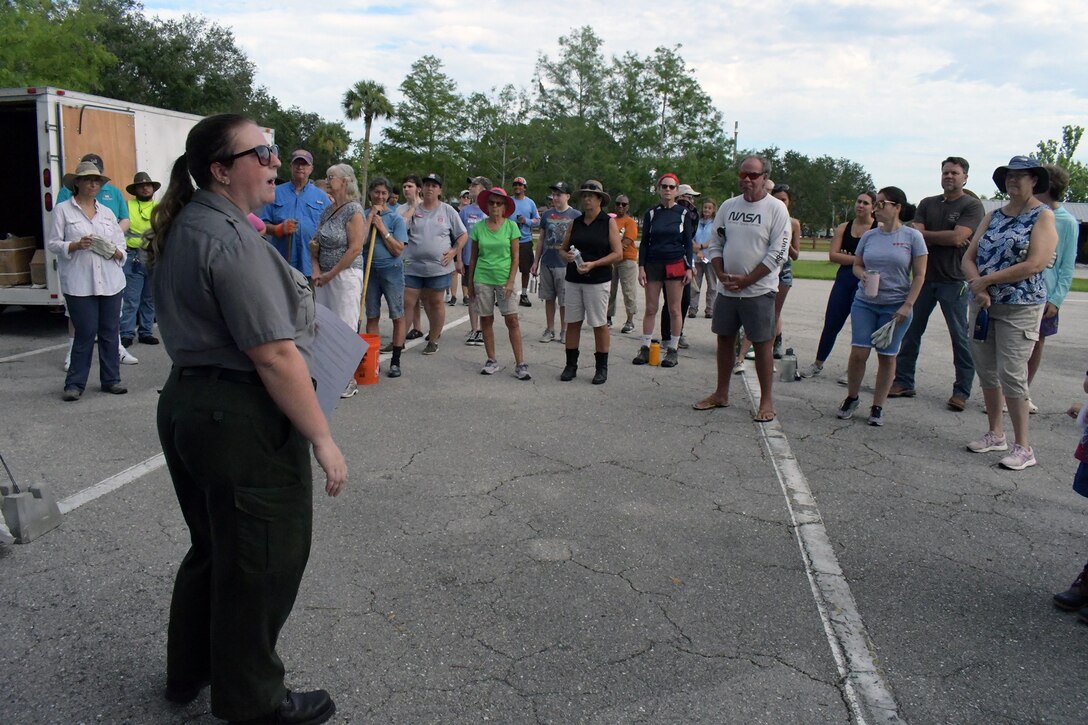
242 476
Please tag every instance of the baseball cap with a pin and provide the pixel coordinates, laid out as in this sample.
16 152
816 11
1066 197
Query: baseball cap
302 154
96 160
561 186
520 180
481 180
433 178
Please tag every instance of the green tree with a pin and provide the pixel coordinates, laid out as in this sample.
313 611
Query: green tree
573 84
425 130
328 142
51 42
366 100
1061 153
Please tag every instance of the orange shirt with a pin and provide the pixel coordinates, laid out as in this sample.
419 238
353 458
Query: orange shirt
629 232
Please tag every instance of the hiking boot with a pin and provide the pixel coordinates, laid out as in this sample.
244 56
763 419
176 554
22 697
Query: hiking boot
898 391
989 442
643 356
682 343
670 358
1019 458
846 410
1076 596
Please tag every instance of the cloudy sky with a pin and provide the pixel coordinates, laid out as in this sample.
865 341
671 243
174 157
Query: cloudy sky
896 85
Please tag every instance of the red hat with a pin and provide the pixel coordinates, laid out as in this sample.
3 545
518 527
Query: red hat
485 196
669 175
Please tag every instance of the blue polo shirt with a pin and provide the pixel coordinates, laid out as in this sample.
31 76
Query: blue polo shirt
109 196
304 207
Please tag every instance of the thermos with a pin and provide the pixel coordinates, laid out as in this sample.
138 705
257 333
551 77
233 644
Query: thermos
787 367
655 352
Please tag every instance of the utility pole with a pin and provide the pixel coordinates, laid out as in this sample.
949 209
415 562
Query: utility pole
736 132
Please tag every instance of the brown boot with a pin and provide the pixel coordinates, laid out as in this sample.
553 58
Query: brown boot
1076 596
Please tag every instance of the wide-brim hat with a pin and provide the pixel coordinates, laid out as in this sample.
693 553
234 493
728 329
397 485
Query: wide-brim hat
686 190
142 177
596 187
485 195
84 170
1023 163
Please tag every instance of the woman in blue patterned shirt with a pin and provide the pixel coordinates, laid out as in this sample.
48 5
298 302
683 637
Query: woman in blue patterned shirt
1004 268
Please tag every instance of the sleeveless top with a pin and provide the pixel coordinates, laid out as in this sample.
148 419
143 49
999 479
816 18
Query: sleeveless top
332 235
592 241
1004 244
849 241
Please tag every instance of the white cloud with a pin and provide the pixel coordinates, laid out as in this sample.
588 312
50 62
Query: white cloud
896 86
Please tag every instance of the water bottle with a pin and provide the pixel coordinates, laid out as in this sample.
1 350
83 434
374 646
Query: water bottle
787 367
982 324
655 352
578 261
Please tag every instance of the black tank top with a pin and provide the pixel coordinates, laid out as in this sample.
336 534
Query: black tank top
849 241
592 241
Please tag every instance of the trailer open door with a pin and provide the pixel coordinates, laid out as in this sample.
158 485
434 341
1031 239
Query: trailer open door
88 129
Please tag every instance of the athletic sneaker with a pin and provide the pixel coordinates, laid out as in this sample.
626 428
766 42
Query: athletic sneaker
521 372
682 343
843 379
846 410
471 339
989 442
478 340
812 371
431 349
490 367
562 337
350 390
627 327
524 301
68 361
876 415
394 371
547 336
1032 407
610 322
738 367
1019 458
451 301
127 358
751 354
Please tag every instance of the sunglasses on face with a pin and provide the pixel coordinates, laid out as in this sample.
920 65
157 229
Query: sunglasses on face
668 186
751 175
885 202
621 203
496 202
264 153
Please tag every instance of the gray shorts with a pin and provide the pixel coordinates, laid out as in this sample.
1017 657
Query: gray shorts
588 302
489 295
1001 360
551 283
754 314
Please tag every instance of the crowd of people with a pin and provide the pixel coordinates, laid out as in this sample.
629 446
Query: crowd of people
236 264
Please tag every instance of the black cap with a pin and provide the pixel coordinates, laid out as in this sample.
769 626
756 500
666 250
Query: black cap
561 186
433 178
96 160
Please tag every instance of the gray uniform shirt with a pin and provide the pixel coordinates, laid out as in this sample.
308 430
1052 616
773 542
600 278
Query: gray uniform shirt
431 233
221 289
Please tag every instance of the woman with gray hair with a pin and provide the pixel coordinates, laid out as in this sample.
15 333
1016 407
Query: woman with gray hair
337 266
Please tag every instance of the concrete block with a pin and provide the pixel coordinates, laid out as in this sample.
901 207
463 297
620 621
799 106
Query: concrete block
30 513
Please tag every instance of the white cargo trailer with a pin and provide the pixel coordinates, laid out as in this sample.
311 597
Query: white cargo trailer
45 131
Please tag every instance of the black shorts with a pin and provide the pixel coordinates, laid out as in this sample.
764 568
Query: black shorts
525 257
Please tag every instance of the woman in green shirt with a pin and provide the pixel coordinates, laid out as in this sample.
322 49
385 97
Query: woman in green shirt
491 276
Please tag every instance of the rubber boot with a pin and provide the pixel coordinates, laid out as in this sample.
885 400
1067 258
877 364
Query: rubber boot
601 376
571 370
1076 596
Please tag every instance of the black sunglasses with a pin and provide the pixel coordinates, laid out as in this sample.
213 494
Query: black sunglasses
264 154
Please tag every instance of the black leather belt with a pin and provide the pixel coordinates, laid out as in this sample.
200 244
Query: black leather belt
212 373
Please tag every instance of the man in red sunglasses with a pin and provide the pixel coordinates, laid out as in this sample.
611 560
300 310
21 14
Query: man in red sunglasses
750 239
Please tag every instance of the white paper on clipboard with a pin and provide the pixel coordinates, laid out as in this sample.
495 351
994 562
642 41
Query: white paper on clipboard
337 351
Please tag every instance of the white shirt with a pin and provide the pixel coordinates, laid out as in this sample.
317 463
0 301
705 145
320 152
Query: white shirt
84 273
755 233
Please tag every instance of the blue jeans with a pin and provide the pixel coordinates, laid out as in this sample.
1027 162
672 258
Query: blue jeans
953 298
137 297
838 309
94 317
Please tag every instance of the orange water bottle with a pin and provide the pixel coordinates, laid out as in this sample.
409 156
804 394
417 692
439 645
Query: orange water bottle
655 352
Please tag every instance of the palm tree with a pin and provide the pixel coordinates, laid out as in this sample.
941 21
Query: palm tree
366 100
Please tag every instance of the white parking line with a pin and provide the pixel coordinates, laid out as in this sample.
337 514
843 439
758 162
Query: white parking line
112 483
866 693
39 351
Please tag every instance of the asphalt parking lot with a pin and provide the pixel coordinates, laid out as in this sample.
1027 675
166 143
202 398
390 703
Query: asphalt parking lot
555 552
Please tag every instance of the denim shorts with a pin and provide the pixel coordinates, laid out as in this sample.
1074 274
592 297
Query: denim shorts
866 318
387 282
442 281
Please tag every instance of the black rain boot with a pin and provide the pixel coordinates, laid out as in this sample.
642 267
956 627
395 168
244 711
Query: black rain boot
1076 596
571 370
601 376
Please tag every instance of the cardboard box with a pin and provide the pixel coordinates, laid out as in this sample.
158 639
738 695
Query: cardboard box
15 256
37 268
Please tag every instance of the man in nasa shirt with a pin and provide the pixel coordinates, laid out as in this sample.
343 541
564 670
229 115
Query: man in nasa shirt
749 242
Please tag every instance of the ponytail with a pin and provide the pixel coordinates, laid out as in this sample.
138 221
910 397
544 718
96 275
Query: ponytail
898 196
208 142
